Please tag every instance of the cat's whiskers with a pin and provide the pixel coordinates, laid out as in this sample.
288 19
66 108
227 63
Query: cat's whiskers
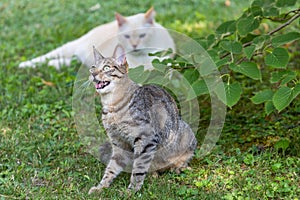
82 88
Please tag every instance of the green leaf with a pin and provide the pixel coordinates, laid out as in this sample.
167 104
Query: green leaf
283 76
269 107
211 40
207 67
249 51
200 87
284 96
207 42
213 54
138 74
247 25
249 159
249 69
157 78
222 62
271 12
292 75
258 3
261 40
232 93
226 27
262 96
285 38
191 75
279 58
283 144
232 46
263 3
159 65
285 3
256 11
277 76
276 166
296 90
281 98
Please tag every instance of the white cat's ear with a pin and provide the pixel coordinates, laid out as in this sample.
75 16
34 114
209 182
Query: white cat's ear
149 15
97 55
119 55
120 19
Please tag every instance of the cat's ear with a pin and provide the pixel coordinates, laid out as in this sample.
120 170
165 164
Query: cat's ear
97 55
119 55
120 19
149 16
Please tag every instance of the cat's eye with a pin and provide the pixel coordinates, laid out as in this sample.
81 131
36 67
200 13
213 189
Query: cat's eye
106 68
127 36
142 35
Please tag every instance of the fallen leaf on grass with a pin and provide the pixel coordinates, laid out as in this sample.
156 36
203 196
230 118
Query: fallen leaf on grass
48 83
4 130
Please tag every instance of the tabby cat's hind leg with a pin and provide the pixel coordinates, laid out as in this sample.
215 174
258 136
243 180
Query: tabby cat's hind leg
181 162
186 146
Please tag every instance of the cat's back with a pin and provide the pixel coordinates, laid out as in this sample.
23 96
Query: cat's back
152 103
104 37
148 95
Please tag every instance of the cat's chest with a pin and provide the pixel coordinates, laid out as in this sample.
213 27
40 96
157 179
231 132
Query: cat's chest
114 119
121 125
117 121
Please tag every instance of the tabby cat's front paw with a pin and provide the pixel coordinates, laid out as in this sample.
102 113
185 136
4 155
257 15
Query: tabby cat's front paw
133 187
95 189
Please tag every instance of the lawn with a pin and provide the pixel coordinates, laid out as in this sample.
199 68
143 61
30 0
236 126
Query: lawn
42 155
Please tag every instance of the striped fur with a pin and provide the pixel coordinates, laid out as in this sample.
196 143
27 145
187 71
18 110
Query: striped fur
142 122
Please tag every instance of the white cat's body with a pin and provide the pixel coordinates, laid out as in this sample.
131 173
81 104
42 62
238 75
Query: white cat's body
139 34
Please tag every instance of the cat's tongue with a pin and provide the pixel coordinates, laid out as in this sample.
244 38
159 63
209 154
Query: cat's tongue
101 84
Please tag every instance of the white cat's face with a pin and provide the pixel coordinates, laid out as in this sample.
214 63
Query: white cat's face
135 40
135 32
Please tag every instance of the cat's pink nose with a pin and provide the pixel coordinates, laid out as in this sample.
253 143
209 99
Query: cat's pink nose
134 46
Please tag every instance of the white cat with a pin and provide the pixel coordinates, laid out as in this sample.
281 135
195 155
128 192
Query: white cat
138 34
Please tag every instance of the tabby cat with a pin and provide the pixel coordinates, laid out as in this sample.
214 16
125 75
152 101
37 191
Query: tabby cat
143 124
138 34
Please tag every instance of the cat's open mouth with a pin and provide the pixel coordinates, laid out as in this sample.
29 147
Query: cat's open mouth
102 84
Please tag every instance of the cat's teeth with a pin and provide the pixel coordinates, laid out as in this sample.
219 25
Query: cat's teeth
102 84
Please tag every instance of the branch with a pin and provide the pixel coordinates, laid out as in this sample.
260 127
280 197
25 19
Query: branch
285 18
285 24
296 16
292 11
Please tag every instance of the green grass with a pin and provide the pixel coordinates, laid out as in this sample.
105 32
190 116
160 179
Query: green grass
42 156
